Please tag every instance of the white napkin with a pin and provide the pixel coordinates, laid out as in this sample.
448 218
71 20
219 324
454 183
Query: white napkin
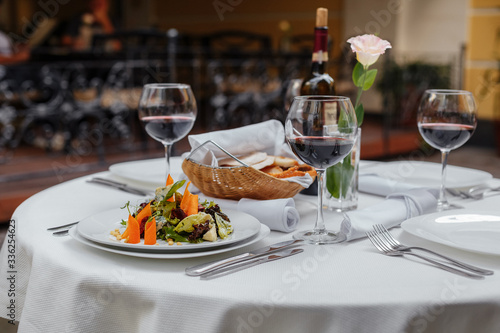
378 185
277 214
397 208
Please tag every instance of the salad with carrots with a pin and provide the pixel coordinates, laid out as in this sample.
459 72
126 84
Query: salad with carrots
175 218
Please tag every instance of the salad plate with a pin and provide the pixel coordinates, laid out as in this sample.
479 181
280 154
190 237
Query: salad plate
263 233
97 228
427 174
476 231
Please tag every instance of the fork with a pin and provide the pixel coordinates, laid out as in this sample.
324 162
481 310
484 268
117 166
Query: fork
69 225
458 193
378 242
62 230
478 193
394 244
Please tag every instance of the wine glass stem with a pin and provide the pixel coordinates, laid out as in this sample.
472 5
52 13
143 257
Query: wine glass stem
443 202
168 151
320 221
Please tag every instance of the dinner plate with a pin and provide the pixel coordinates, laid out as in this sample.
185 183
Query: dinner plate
477 231
427 174
263 233
148 171
97 228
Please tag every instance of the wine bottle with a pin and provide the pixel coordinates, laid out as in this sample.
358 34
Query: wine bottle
319 82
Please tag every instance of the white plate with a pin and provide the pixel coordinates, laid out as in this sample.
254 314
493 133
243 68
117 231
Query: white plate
477 231
263 232
427 174
147 171
96 228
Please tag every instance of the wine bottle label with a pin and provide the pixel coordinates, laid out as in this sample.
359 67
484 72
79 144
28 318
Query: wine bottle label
320 51
320 57
330 113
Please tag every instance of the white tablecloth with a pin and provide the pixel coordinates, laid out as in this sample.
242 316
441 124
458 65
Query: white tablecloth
64 286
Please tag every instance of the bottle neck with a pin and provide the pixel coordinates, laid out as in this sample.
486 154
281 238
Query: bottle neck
320 51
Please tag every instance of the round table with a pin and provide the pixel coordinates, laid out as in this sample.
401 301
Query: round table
61 285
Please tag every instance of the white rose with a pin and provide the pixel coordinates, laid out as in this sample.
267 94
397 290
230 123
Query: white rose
368 48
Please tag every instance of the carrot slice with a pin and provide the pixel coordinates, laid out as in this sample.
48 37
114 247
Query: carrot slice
170 180
186 199
127 231
185 202
186 189
150 233
145 212
134 236
193 205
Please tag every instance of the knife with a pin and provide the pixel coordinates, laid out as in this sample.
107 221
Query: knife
212 265
250 263
117 185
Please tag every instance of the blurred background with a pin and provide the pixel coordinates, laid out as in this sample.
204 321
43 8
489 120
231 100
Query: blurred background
71 72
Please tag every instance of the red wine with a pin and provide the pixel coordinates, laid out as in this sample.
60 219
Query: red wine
168 129
320 152
444 135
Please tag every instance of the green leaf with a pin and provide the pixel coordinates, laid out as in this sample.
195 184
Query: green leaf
165 208
360 114
338 177
368 79
333 175
357 74
174 188
347 174
168 232
224 228
127 205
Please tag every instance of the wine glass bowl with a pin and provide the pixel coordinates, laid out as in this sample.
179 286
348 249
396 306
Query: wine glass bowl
446 120
320 130
168 112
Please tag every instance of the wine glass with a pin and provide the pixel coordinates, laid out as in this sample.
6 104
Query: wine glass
320 130
168 112
446 120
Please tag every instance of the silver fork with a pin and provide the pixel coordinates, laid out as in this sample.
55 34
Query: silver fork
479 193
393 243
387 250
458 193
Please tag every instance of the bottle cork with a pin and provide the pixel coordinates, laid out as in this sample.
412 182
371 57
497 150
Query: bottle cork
321 17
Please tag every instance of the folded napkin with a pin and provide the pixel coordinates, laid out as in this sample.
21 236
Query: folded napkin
396 208
374 184
277 214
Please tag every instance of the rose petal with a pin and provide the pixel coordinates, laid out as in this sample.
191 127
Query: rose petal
367 59
368 48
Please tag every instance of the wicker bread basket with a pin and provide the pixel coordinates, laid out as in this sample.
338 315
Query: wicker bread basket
237 182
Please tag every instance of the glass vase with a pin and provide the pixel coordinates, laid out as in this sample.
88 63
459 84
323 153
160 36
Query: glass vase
341 191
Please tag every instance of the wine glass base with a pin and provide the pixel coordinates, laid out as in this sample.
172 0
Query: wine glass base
320 238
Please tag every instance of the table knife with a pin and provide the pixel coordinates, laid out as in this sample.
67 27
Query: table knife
250 263
117 185
213 265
